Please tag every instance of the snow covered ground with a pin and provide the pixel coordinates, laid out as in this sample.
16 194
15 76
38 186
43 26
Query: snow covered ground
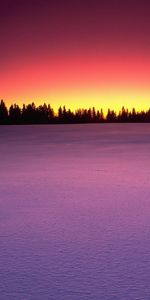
75 212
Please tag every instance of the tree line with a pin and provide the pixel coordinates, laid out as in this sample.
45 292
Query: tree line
44 114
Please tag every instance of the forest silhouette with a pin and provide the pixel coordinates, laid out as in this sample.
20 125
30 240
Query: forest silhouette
44 114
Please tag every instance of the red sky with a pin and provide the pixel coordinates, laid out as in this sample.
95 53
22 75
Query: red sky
77 53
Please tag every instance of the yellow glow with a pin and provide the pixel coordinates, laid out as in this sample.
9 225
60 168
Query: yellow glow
105 98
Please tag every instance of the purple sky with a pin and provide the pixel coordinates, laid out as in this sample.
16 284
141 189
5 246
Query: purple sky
37 27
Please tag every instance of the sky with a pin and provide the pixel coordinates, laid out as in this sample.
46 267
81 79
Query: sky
75 53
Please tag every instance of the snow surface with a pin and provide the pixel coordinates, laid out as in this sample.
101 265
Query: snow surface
75 212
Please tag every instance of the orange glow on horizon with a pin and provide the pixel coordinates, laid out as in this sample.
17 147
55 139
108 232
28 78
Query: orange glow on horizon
80 81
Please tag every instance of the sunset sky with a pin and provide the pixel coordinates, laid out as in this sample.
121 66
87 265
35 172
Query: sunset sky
75 53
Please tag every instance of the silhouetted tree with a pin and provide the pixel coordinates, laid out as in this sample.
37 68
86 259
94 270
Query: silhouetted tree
60 114
14 114
29 115
123 115
44 114
111 116
50 114
3 113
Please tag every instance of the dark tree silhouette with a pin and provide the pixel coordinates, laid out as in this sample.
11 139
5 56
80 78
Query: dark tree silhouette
60 114
111 116
44 114
14 114
3 113
123 115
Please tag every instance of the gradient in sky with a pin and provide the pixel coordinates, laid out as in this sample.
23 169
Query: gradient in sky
77 53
